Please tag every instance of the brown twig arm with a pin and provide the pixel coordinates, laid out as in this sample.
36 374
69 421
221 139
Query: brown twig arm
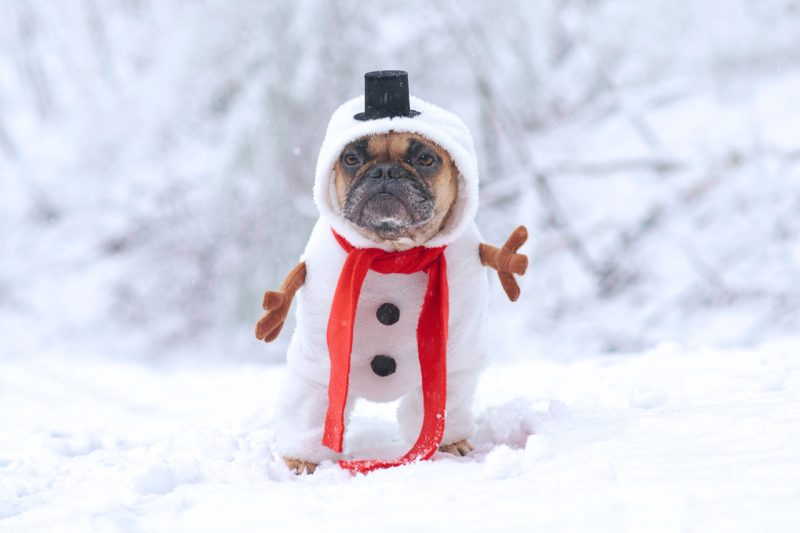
506 261
277 304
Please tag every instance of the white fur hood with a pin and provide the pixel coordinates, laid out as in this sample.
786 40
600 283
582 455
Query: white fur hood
434 123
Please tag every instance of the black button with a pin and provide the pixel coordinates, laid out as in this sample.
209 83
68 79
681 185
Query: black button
388 314
383 365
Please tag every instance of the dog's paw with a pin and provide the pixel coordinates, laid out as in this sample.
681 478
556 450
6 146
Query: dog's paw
298 466
460 448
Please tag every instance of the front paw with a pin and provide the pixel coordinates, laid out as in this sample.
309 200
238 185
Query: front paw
298 466
461 448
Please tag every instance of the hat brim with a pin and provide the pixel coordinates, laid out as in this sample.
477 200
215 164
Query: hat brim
378 115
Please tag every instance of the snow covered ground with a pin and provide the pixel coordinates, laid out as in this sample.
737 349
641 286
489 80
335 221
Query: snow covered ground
669 440
155 176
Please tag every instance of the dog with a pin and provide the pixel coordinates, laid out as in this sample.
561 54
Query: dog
396 188
392 286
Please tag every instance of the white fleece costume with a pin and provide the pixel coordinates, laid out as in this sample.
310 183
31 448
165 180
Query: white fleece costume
303 402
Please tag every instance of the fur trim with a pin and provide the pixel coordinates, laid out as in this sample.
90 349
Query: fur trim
434 123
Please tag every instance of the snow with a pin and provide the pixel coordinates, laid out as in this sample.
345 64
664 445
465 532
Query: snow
673 439
156 164
182 136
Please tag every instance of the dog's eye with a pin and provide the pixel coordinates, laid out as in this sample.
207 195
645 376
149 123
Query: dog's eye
351 159
425 160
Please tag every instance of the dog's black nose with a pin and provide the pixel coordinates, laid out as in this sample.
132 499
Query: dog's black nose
387 171
383 365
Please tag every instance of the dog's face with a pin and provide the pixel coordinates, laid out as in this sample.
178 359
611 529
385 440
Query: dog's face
396 187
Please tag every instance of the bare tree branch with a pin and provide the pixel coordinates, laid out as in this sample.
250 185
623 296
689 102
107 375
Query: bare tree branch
474 53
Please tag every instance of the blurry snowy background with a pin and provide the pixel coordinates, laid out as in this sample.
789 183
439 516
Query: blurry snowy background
156 162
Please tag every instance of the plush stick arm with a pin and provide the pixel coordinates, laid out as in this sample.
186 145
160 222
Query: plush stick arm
507 262
277 304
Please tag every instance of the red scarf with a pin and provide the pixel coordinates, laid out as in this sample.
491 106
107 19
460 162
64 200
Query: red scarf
431 344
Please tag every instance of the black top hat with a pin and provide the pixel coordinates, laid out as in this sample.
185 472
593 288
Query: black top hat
386 95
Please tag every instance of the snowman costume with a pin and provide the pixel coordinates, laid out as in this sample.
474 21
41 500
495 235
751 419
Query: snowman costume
389 306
